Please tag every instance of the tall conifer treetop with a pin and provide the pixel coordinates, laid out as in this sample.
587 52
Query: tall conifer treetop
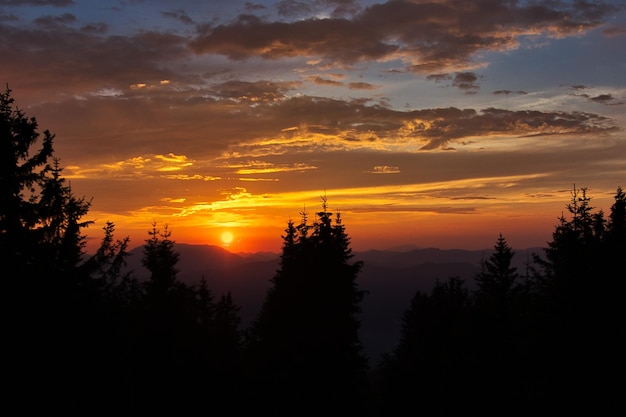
305 339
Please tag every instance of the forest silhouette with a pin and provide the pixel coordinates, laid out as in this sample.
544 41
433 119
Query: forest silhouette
86 336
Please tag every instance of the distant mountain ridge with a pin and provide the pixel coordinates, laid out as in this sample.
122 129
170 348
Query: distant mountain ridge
390 277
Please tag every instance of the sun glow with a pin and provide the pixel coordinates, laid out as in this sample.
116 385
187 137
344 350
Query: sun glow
227 238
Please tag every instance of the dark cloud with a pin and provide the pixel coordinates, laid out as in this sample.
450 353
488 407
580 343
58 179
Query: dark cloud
331 38
292 8
342 8
602 98
254 92
239 113
82 60
51 21
507 92
433 36
439 77
614 31
361 86
455 124
179 15
435 128
95 28
254 6
607 99
333 8
465 81
324 81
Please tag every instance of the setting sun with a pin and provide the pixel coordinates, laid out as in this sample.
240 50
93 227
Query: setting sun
227 238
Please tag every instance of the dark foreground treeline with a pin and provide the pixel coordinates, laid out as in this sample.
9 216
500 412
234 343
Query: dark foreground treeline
82 336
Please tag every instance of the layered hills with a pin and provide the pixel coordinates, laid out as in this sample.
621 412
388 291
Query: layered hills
390 277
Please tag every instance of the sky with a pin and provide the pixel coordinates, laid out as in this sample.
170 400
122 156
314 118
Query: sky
435 123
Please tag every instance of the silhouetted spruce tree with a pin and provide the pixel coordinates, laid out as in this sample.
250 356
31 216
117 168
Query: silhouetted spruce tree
227 371
617 222
306 351
21 171
40 218
220 333
53 305
60 231
106 268
615 239
188 349
163 346
217 365
118 318
570 311
226 329
160 258
498 277
609 309
429 369
500 345
571 257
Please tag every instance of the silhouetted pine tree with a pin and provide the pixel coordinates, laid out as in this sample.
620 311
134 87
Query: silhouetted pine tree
227 371
609 310
54 307
615 238
83 334
21 171
498 277
163 348
571 258
571 310
305 349
217 372
500 334
106 268
117 323
188 347
160 258
429 369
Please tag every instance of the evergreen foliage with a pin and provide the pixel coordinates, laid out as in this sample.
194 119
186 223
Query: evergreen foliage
50 301
498 277
21 171
545 344
304 342
429 359
83 334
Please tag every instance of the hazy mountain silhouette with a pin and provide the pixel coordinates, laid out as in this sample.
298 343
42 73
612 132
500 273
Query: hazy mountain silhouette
391 278
246 276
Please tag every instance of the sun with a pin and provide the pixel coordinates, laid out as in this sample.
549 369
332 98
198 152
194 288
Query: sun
227 238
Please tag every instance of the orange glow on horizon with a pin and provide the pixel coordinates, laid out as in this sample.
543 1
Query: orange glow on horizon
524 225
456 214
